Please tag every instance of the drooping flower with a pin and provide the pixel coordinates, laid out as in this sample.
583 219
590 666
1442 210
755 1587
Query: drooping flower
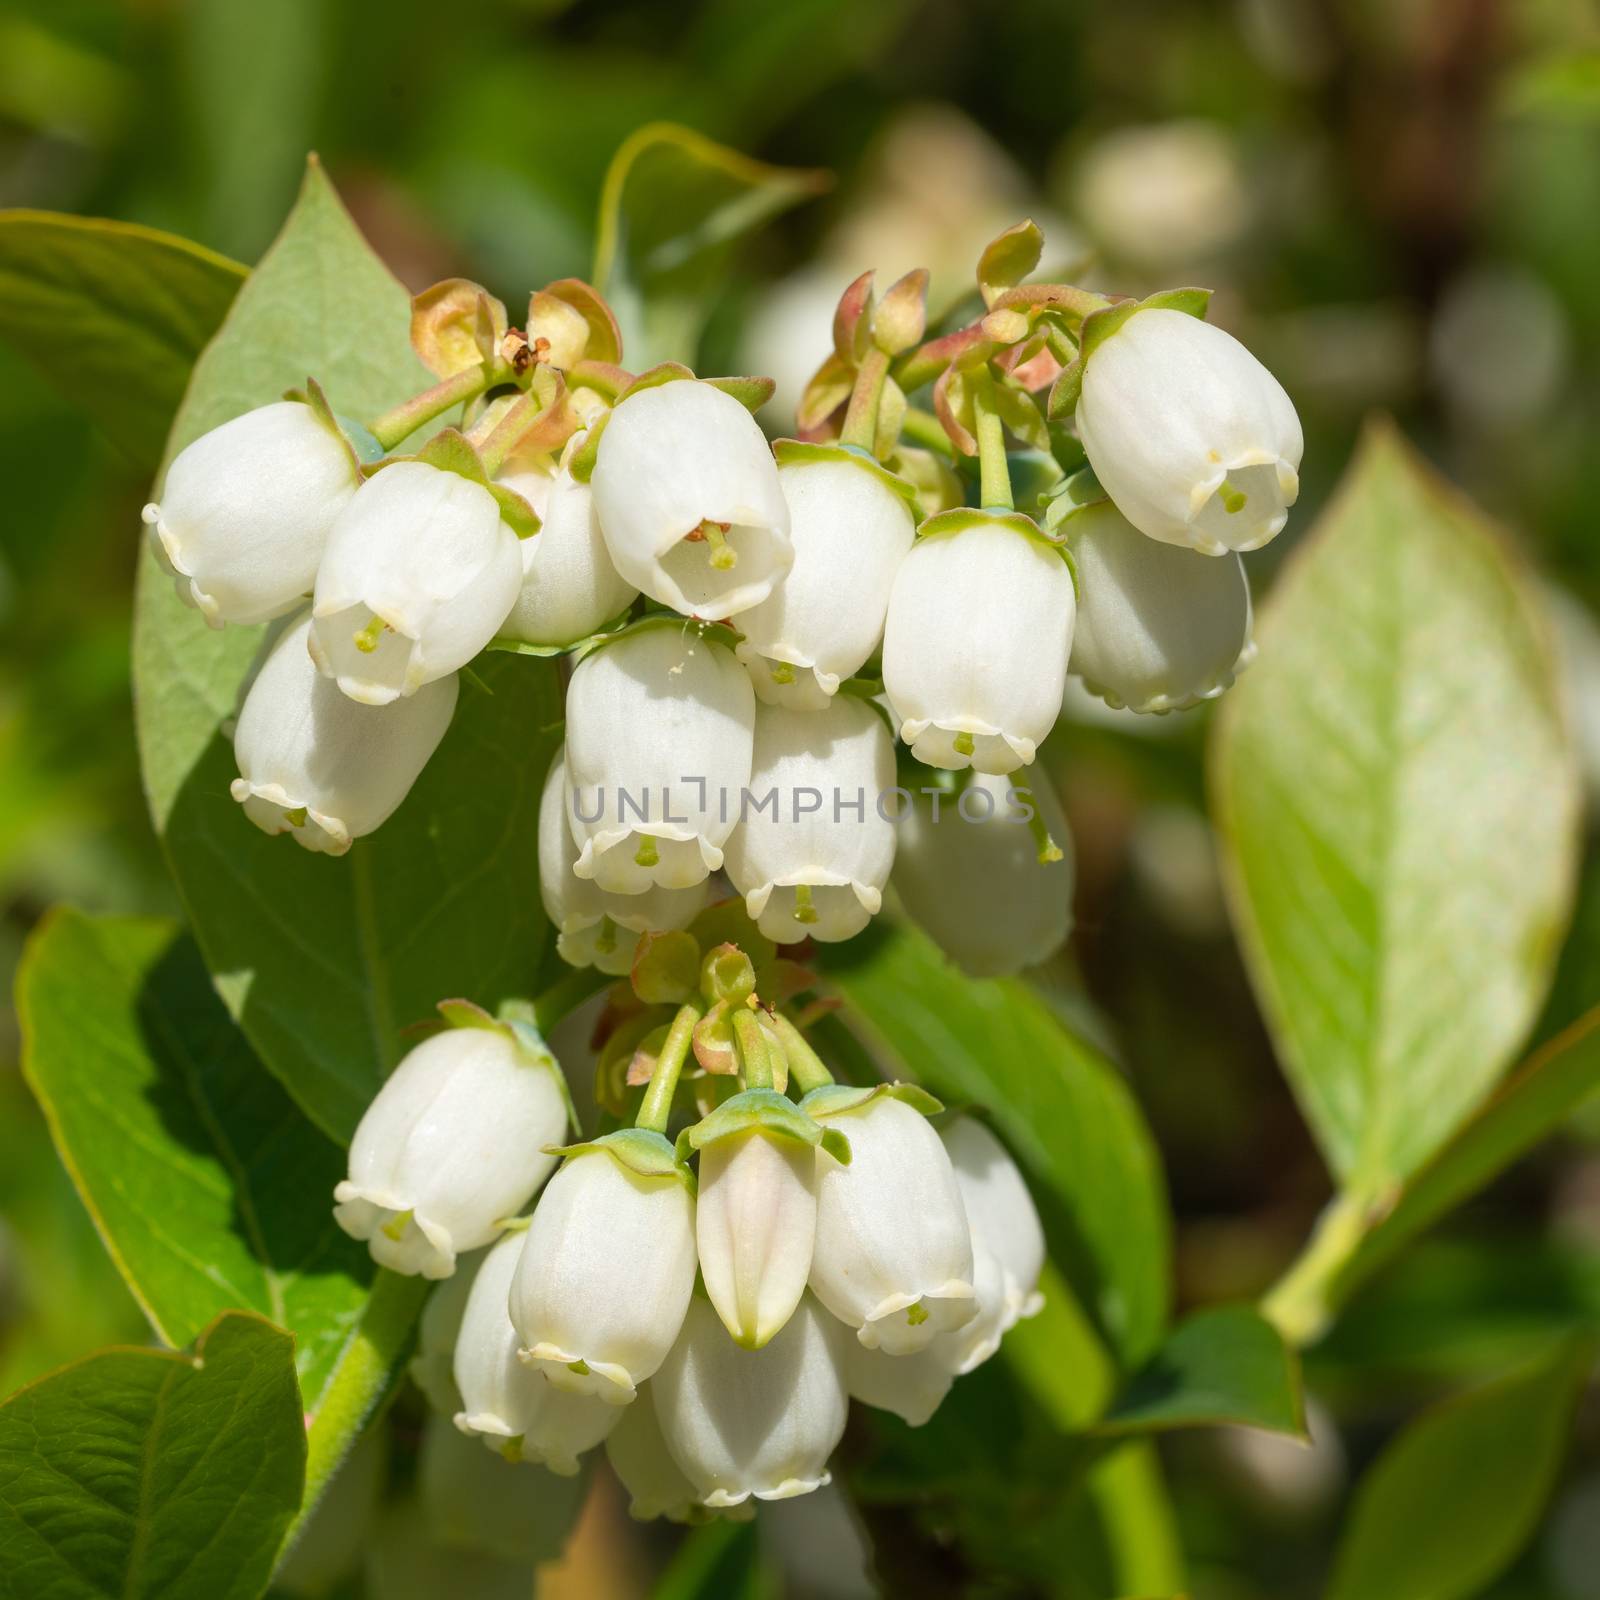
1160 626
453 1145
815 843
968 870
657 1486
1002 1213
976 643
507 1403
851 526
893 1255
1189 434
246 510
759 1423
912 1386
660 725
419 573
607 1268
314 763
569 586
688 498
595 928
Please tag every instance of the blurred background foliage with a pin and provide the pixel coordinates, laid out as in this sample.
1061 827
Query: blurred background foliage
1398 202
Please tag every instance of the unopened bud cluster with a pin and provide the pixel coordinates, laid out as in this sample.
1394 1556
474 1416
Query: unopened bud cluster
751 627
705 1308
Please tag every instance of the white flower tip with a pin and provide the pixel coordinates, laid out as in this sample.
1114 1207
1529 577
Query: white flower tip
151 515
606 1380
394 1234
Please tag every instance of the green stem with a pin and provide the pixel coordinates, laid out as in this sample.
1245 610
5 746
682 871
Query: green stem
754 1059
656 1109
923 428
994 470
805 1065
861 417
1304 1299
404 420
361 1378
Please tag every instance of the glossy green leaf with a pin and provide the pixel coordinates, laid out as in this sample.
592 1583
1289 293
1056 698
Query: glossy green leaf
1451 1501
209 1187
324 961
1062 1108
1227 1364
113 314
673 208
153 1475
1397 802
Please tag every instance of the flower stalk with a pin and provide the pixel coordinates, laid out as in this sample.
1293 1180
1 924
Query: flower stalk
657 1105
421 409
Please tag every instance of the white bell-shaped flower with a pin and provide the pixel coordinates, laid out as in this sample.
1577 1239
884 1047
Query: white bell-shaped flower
912 1386
595 928
659 735
637 1450
688 496
965 1348
569 586
246 510
851 526
314 763
816 837
968 872
507 1403
433 1367
1160 626
1191 436
759 1423
606 1273
1002 1213
976 643
893 1254
418 575
453 1145
755 1223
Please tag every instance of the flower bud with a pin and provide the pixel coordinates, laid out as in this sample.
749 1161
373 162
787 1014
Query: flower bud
976 644
1004 1218
316 764
968 872
851 529
595 928
813 863
893 1255
433 1367
417 578
1160 626
509 1404
755 1222
656 1484
688 496
1189 434
753 1422
605 1275
659 735
569 586
452 1146
246 509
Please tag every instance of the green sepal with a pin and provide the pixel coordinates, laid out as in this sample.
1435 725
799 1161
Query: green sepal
654 377
581 466
833 1098
790 452
363 449
1008 259
1098 326
580 647
450 451
515 512
751 392
762 1111
963 517
640 1150
466 1014
717 633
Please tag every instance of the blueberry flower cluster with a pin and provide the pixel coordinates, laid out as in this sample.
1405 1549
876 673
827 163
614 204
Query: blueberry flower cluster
773 653
705 1308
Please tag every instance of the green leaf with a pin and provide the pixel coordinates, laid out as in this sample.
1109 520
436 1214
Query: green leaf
674 205
1454 1498
146 1473
1062 1108
112 314
1227 1364
1397 803
210 1189
324 961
